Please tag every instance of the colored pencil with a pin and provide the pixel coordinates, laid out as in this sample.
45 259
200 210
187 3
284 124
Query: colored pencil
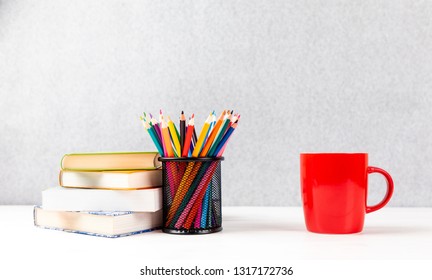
182 131
166 139
152 128
174 136
190 201
205 207
153 137
212 124
200 174
202 136
194 138
225 138
212 135
198 216
157 128
190 211
188 178
221 132
188 138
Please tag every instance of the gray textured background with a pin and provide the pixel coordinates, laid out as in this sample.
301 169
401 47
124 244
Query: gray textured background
305 75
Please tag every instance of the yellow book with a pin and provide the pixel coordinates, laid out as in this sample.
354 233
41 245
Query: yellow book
111 161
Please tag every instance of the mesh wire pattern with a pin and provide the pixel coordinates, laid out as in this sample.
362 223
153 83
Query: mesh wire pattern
192 195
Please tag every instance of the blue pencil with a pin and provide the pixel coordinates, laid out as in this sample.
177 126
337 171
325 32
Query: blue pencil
156 142
224 139
205 207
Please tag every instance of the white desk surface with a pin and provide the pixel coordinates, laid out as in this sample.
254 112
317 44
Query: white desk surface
249 234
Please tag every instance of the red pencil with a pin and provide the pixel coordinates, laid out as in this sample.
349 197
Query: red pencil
188 138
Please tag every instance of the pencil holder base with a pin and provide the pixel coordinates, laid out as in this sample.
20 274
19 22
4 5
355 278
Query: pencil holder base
192 231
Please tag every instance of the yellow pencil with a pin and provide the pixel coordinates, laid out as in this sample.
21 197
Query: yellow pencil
174 136
202 137
166 139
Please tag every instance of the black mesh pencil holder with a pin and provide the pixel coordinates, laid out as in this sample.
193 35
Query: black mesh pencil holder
192 195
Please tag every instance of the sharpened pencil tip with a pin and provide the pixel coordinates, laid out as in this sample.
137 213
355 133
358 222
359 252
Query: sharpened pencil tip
182 112
232 111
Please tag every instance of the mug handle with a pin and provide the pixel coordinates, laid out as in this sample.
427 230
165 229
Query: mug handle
390 189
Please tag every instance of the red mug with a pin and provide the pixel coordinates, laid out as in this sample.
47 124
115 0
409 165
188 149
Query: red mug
334 191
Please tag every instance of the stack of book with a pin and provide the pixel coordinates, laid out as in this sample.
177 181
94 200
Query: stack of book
104 194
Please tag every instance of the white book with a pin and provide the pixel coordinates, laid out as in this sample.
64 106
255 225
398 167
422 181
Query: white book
135 179
72 199
106 224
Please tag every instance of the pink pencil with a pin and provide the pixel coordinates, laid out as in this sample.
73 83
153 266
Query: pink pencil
198 217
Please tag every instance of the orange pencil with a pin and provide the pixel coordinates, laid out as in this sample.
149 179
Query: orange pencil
167 139
212 136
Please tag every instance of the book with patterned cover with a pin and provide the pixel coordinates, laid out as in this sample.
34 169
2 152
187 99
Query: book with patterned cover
98 223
